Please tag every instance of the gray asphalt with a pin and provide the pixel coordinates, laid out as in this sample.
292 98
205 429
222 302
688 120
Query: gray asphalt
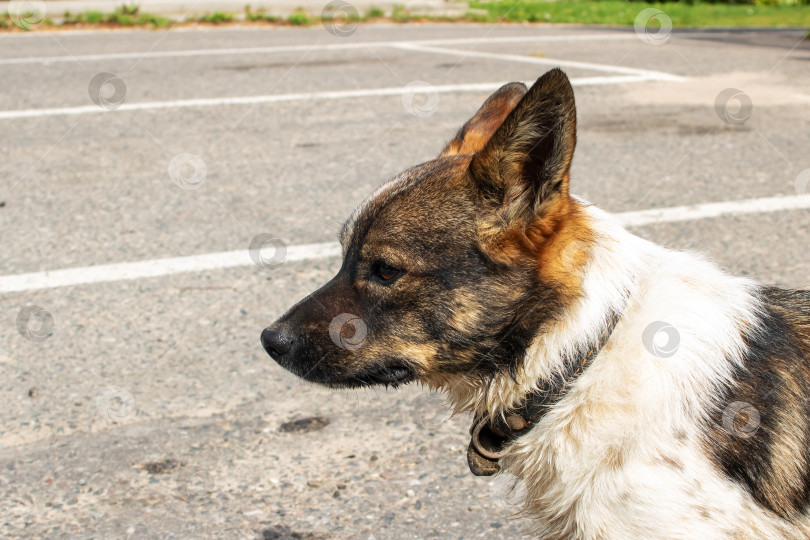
152 412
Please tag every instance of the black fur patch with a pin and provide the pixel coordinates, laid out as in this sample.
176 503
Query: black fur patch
761 432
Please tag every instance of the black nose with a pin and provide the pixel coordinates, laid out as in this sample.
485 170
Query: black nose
275 343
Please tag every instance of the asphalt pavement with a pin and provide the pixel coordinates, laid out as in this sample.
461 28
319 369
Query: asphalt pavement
137 401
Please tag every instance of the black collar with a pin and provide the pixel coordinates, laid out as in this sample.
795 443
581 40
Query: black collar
492 434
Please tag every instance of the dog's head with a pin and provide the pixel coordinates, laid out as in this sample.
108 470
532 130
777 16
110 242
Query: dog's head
454 266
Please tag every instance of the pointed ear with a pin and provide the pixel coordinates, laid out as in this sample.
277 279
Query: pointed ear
477 131
525 165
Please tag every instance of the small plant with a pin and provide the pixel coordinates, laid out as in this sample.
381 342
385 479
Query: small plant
93 17
374 13
399 14
145 19
131 9
121 19
124 15
217 17
299 18
260 15
86 17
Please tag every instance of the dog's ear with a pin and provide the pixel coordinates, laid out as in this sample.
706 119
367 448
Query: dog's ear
524 167
479 129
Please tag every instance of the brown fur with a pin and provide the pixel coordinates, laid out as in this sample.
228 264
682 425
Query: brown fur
485 250
479 235
472 137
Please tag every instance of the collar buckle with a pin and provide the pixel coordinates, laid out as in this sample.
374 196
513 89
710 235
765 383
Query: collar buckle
487 441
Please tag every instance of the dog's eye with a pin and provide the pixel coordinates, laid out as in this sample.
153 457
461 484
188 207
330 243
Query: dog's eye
386 272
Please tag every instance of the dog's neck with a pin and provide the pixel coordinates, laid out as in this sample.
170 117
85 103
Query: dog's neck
607 283
491 435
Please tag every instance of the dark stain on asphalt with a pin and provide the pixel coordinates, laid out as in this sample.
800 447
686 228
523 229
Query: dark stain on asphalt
305 425
162 466
282 532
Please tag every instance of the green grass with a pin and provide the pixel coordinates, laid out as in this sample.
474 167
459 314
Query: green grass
399 14
620 12
260 15
217 17
694 13
299 18
30 20
126 15
375 13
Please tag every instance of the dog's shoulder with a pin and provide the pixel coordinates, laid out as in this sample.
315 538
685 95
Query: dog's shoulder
760 432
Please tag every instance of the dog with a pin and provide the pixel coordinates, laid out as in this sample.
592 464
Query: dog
635 391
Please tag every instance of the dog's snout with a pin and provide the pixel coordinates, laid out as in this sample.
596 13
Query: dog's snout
276 343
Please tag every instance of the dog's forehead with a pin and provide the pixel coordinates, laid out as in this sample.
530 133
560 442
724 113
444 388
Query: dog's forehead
408 196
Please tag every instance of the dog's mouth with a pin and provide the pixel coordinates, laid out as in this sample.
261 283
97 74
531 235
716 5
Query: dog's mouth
391 373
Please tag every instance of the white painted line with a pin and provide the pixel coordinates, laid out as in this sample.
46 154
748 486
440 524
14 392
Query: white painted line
233 259
303 96
307 48
155 268
710 210
652 75
601 80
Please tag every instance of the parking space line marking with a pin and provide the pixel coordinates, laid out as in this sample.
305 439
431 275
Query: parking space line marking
303 96
653 75
316 47
711 210
233 259
155 268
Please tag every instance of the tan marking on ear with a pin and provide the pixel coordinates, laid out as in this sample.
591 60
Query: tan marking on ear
475 134
475 139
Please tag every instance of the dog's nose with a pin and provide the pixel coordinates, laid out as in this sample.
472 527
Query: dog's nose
275 343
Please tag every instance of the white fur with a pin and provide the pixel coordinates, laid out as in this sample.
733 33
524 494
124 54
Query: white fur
621 456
